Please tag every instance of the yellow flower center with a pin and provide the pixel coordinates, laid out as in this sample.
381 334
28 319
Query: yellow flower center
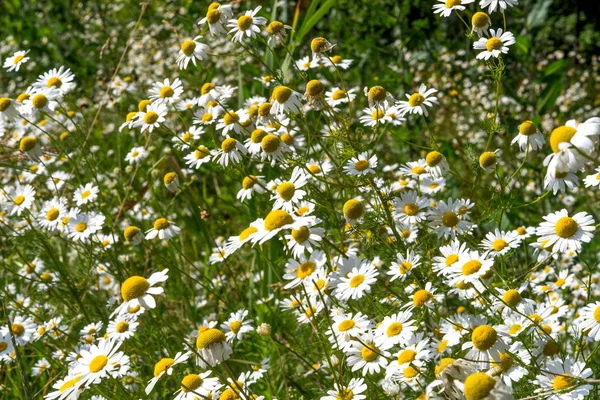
515 328
169 178
480 20
369 353
162 366
512 297
336 59
344 394
286 190
566 227
209 337
228 145
452 3
357 280
301 234
478 386
52 214
433 158
493 43
319 45
444 363
484 337
411 209
161 223
39 101
5 102
562 134
150 117
270 143
353 209
421 297
134 287
166 91
499 245
377 93
416 99
314 87
190 382
410 372
527 128
346 325
487 159
247 232
338 94
562 382
98 363
361 165
281 94
377 114
407 356
235 326
451 259
471 267
597 314
80 227
188 47
213 16
274 27
277 219
305 269
19 200
230 117
201 152
17 329
69 384
244 22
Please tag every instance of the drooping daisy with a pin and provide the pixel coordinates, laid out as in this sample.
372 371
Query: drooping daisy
284 99
152 117
366 355
436 164
276 34
237 325
589 320
480 22
212 348
404 265
357 282
165 367
559 181
445 7
361 165
569 141
217 16
495 45
13 63
418 102
480 385
486 341
251 184
230 152
247 25
562 232
139 291
201 384
529 136
191 50
273 148
8 111
501 5
163 229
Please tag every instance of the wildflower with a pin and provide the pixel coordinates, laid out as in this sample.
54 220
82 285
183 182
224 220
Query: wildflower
303 270
445 7
60 79
276 33
121 328
191 50
216 17
357 283
367 356
395 329
319 46
166 92
498 243
23 330
497 4
529 136
448 220
152 117
436 164
171 181
402 267
284 99
163 229
198 157
361 165
353 210
304 237
43 99
247 25
306 63
409 208
568 141
13 63
194 384
86 194
480 22
251 184
562 232
8 110
485 344
289 193
212 348
418 102
353 390
495 45
337 96
339 62
83 225
593 180
165 367
564 380
231 151
139 291
378 97
480 386
100 361
237 325
133 235
19 199
488 161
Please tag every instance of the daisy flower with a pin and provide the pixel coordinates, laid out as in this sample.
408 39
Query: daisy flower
471 268
592 180
402 267
165 367
23 330
100 361
337 96
274 222
304 237
498 243
193 385
319 46
480 22
425 297
366 356
357 283
289 193
67 388
8 110
284 99
83 225
529 136
19 199
346 326
563 232
233 121
395 329
563 380
247 25
60 79
410 358
166 92
409 208
121 328
273 148
495 45
186 140
486 342
13 63
191 50
216 18
339 62
86 194
418 102
212 348
276 33
361 165
445 7
198 157
152 117
447 219
559 181
480 385
163 229
237 325
230 152
497 4
302 270
139 291
306 63
251 184
43 99
569 140
589 320
374 116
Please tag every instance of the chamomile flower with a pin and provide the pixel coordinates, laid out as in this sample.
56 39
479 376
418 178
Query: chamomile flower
445 7
191 50
276 34
230 152
366 356
289 193
302 270
529 136
193 385
14 62
374 116
122 328
471 268
569 141
237 325
60 79
559 181
8 110
448 220
247 25
163 229
357 283
395 329
84 225
139 291
495 45
353 390
43 99
100 361
251 184
486 342
67 388
562 232
86 194
198 157
152 117
212 348
337 96
273 148
19 199
593 180
564 380
306 63
305 238
165 367
410 208
284 99
346 326
418 102
402 267
589 320
480 23
498 243
339 62
216 17
166 92
361 165
480 385
23 329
